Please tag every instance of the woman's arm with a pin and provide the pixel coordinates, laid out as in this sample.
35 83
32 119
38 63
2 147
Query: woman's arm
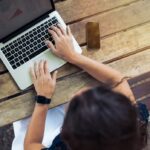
44 85
64 49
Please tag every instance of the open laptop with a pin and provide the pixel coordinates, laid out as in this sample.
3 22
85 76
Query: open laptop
23 28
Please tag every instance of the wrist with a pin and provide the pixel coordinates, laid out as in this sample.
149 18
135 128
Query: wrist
74 58
41 107
49 96
42 100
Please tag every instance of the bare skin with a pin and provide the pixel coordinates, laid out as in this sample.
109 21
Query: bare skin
45 83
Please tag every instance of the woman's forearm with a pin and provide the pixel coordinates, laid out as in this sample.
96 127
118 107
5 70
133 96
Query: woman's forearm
98 70
36 128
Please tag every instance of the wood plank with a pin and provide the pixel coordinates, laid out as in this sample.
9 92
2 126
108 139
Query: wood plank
120 44
140 86
142 89
115 20
125 16
72 10
2 67
22 106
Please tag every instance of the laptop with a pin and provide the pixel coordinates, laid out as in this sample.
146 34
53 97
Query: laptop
23 29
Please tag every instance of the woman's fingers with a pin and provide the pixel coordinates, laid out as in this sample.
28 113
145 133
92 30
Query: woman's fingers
69 31
62 29
54 35
57 31
41 68
46 68
54 76
50 45
36 70
33 76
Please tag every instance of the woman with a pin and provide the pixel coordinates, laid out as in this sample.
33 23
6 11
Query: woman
97 119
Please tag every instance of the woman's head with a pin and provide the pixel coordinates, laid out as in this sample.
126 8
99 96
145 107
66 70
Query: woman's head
101 119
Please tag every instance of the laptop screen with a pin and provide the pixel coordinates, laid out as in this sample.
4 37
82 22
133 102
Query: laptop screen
14 14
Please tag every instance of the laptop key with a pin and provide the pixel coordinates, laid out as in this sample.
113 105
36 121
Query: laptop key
27 48
12 47
4 51
26 59
23 40
31 50
24 55
16 59
24 44
8 49
14 66
19 42
35 48
39 46
20 57
11 58
21 62
24 50
16 55
12 51
28 53
27 42
12 62
17 64
35 33
35 38
8 54
20 52
34 43
20 47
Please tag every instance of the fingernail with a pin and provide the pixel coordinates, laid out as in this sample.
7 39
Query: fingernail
46 42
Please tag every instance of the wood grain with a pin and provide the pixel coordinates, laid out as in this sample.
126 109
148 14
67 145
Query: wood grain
72 10
2 67
115 20
22 106
112 47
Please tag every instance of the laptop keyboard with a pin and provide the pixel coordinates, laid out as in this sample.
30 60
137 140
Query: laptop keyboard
29 45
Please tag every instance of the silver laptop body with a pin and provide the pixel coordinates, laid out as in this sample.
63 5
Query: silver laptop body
23 44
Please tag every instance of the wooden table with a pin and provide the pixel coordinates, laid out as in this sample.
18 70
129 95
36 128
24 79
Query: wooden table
125 46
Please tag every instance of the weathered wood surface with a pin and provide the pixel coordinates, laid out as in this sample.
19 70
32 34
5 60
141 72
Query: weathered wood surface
66 88
2 67
115 20
73 10
116 46
121 18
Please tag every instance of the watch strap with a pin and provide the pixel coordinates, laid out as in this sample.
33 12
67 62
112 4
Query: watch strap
42 100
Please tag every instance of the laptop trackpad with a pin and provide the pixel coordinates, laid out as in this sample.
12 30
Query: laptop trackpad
53 61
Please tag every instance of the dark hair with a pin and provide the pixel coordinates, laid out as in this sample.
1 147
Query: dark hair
101 119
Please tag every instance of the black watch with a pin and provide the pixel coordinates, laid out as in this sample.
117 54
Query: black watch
42 100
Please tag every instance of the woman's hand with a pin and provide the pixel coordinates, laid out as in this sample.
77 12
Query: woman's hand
43 81
63 43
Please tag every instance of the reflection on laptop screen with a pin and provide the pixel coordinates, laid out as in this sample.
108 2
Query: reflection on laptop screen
16 13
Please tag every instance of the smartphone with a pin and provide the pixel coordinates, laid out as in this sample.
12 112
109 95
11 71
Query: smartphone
93 35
